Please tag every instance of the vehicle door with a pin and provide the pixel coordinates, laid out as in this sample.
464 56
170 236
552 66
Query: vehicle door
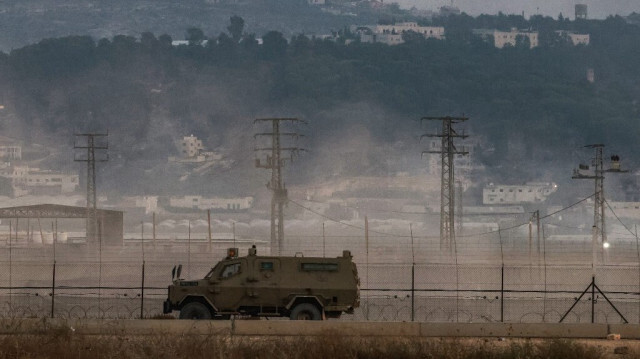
228 284
267 275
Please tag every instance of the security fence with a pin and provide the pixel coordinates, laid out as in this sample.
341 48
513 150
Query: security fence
389 292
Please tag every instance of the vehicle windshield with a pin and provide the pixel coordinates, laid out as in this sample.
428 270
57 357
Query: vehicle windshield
212 271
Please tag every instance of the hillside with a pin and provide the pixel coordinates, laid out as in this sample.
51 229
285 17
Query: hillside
535 107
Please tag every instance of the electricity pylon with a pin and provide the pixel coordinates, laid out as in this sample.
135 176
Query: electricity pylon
447 187
275 162
91 147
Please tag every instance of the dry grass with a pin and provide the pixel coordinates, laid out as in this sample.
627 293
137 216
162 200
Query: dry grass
64 343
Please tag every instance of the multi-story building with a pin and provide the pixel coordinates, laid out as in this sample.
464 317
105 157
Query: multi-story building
624 209
148 203
508 38
463 164
574 38
531 192
190 146
192 151
10 152
392 34
216 204
27 180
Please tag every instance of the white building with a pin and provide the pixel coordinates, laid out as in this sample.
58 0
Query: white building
388 39
508 38
531 192
190 146
149 203
463 164
575 38
186 43
26 180
624 209
192 151
10 152
392 34
219 204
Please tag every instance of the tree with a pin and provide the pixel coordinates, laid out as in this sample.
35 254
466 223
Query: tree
412 37
195 36
236 28
148 41
523 42
165 40
274 45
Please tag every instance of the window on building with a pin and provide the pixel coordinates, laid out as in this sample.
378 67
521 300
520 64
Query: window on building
266 266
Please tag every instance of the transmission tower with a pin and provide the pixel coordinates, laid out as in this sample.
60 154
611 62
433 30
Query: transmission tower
91 147
275 162
599 229
447 190
459 213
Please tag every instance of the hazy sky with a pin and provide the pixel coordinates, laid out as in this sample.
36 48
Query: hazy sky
598 9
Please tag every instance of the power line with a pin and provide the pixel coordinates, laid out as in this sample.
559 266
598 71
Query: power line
619 220
409 236
374 209
346 224
527 223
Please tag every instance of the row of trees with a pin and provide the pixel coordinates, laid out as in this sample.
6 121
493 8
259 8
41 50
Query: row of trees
540 95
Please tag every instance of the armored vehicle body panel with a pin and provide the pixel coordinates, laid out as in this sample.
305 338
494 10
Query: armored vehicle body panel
298 287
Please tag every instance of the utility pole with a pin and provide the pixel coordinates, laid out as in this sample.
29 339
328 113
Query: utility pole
447 189
599 232
598 229
275 162
91 147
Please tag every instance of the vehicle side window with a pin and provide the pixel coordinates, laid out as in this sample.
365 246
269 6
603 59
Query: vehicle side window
266 266
319 267
230 270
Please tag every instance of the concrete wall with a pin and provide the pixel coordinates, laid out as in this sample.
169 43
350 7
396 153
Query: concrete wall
306 328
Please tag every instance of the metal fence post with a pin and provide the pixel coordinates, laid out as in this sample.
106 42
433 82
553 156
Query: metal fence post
53 290
413 291
142 294
593 299
502 294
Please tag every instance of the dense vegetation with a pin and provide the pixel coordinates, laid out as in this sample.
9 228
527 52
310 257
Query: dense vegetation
62 342
148 92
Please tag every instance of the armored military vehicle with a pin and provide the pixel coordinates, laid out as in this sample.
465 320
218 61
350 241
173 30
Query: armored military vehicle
302 288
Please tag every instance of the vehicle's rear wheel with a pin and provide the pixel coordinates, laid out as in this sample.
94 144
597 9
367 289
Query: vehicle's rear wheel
195 310
305 311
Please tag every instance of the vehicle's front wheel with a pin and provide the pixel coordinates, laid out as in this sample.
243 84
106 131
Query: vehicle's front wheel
195 310
305 311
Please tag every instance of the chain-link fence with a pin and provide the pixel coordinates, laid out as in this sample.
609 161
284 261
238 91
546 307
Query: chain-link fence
488 274
389 292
